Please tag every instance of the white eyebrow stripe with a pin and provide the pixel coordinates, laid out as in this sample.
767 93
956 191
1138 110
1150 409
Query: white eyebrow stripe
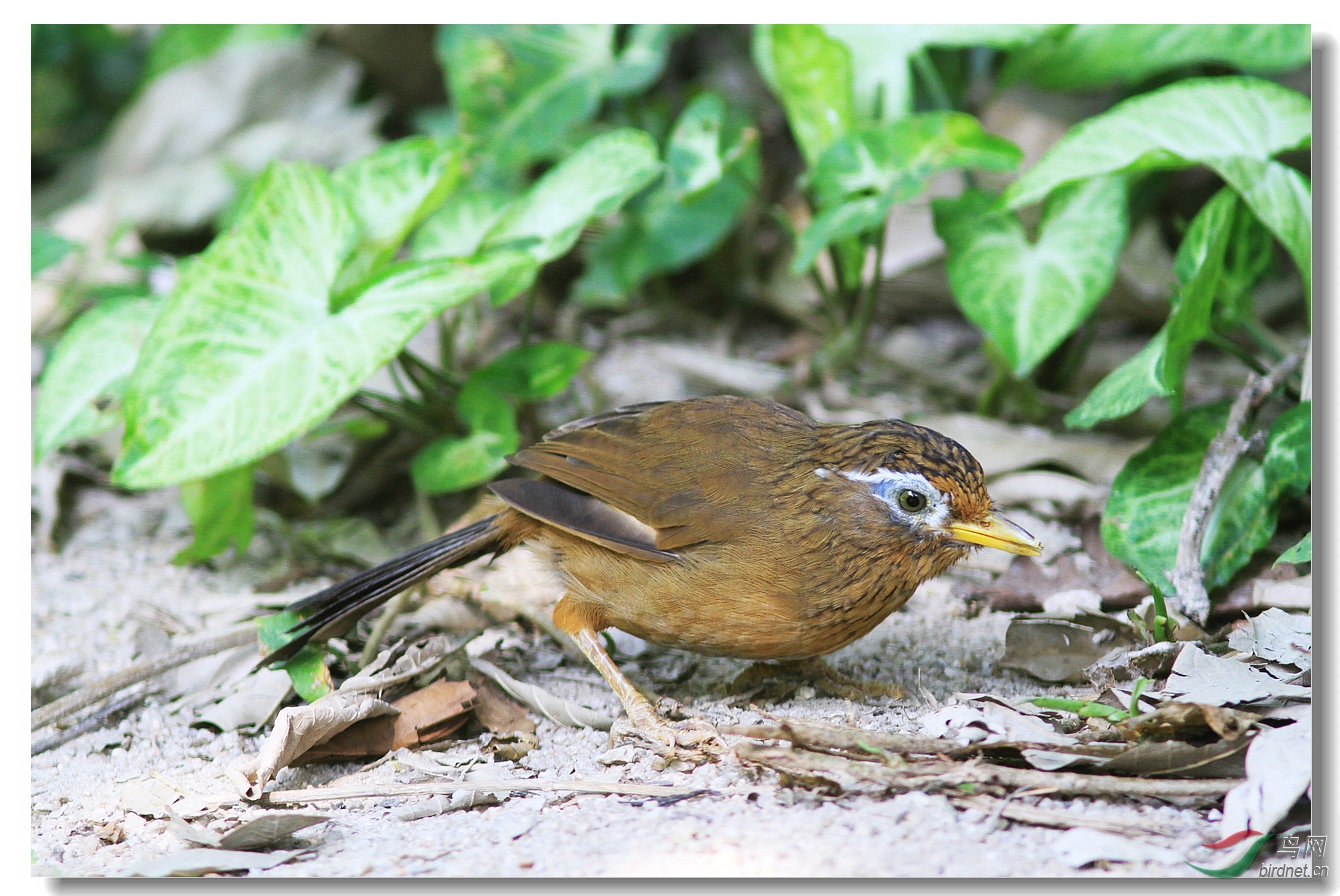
884 474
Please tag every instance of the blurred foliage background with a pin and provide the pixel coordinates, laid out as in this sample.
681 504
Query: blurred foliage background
297 271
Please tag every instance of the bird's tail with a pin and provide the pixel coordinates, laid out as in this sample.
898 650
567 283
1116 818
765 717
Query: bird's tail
337 607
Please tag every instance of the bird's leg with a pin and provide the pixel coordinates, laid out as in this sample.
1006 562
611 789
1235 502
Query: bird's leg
692 739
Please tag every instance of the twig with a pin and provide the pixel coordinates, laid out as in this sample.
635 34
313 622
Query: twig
527 785
1188 577
1060 818
88 723
934 775
847 740
151 668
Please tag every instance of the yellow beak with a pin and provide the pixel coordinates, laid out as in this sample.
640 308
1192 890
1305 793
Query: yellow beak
999 533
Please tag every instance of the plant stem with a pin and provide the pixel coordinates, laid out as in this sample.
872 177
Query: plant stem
930 77
867 298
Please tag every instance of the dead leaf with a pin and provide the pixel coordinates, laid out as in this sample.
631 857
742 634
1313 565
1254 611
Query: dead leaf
1279 773
1176 759
1289 594
299 728
1198 677
425 716
552 707
1152 662
149 797
1183 720
1060 650
1277 636
248 703
988 721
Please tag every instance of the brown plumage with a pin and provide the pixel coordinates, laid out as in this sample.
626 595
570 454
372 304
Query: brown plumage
724 526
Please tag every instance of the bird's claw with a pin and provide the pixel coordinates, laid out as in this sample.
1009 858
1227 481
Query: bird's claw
693 740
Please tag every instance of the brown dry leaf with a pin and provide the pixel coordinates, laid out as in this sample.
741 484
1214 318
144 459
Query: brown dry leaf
1152 662
426 716
512 728
1176 759
1180 720
1059 650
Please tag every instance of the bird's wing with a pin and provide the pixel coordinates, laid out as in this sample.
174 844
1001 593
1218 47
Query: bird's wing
685 471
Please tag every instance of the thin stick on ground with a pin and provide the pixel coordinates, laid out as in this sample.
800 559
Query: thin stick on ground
143 671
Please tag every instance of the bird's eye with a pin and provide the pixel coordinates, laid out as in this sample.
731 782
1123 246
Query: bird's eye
911 501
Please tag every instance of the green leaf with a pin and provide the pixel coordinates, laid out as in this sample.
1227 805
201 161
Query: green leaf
813 77
642 58
1143 518
881 56
900 157
85 379
307 668
1029 296
222 513
1281 198
458 228
1157 370
178 44
1126 389
1288 458
1199 267
1299 553
391 190
247 352
848 218
693 156
452 464
895 162
533 372
1088 56
520 90
712 166
481 407
1197 121
48 247
1089 709
595 180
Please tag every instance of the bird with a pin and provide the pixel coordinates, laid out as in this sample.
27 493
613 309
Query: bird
724 526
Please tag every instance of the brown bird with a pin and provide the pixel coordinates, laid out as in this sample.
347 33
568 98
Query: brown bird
724 526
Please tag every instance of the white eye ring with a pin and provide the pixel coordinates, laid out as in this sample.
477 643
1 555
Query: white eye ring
889 485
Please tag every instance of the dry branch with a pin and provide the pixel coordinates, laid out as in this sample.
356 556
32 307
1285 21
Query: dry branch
1188 577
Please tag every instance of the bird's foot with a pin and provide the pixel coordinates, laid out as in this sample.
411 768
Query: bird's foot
692 739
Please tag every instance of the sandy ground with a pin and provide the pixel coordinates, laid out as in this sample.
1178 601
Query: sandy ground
116 568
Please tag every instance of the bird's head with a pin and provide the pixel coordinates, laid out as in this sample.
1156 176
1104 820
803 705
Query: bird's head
929 485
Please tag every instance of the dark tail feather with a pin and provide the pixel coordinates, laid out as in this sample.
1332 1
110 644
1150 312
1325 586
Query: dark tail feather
344 602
